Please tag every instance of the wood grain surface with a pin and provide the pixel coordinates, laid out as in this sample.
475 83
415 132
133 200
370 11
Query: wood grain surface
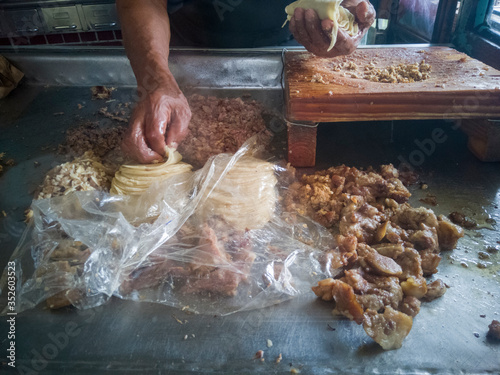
458 87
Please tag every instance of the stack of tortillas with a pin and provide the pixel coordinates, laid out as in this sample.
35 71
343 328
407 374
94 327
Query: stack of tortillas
245 197
136 179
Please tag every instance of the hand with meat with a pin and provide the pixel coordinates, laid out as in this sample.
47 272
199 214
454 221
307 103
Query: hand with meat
162 114
315 34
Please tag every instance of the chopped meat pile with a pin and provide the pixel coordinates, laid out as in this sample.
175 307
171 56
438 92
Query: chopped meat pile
403 72
219 126
82 174
92 137
494 330
388 246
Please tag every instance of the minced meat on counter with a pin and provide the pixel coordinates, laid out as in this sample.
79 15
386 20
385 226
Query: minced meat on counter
219 125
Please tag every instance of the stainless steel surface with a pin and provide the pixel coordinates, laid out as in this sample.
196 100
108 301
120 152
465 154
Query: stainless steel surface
448 336
109 66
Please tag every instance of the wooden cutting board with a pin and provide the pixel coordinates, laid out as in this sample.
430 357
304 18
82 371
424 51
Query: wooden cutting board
458 87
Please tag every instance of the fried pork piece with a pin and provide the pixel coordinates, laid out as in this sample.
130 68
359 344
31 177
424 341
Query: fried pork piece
448 233
435 290
388 329
410 306
219 126
494 330
376 263
361 221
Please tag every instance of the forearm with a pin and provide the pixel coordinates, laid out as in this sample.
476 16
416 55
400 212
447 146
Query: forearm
146 36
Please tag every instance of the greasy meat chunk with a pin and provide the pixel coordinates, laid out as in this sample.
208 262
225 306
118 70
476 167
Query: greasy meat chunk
435 290
360 221
383 291
426 238
345 301
209 253
377 263
410 306
415 287
430 262
65 298
410 262
448 233
494 330
156 270
374 292
408 217
388 329
324 289
389 250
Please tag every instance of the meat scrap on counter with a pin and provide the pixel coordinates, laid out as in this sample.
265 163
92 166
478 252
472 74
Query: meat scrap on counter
404 72
494 330
388 246
101 92
5 163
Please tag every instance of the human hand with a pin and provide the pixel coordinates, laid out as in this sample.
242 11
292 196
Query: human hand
315 34
161 118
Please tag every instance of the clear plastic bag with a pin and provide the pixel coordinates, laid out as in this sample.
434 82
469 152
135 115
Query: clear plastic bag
175 245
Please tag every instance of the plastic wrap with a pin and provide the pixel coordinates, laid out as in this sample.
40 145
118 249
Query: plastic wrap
199 241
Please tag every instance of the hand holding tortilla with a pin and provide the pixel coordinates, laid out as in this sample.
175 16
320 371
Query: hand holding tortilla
330 28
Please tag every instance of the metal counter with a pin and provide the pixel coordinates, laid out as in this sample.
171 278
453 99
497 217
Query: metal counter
448 336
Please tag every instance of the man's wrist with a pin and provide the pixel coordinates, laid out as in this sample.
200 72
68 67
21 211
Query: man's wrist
151 80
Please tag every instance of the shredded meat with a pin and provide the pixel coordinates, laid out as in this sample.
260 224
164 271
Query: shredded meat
219 126
92 137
